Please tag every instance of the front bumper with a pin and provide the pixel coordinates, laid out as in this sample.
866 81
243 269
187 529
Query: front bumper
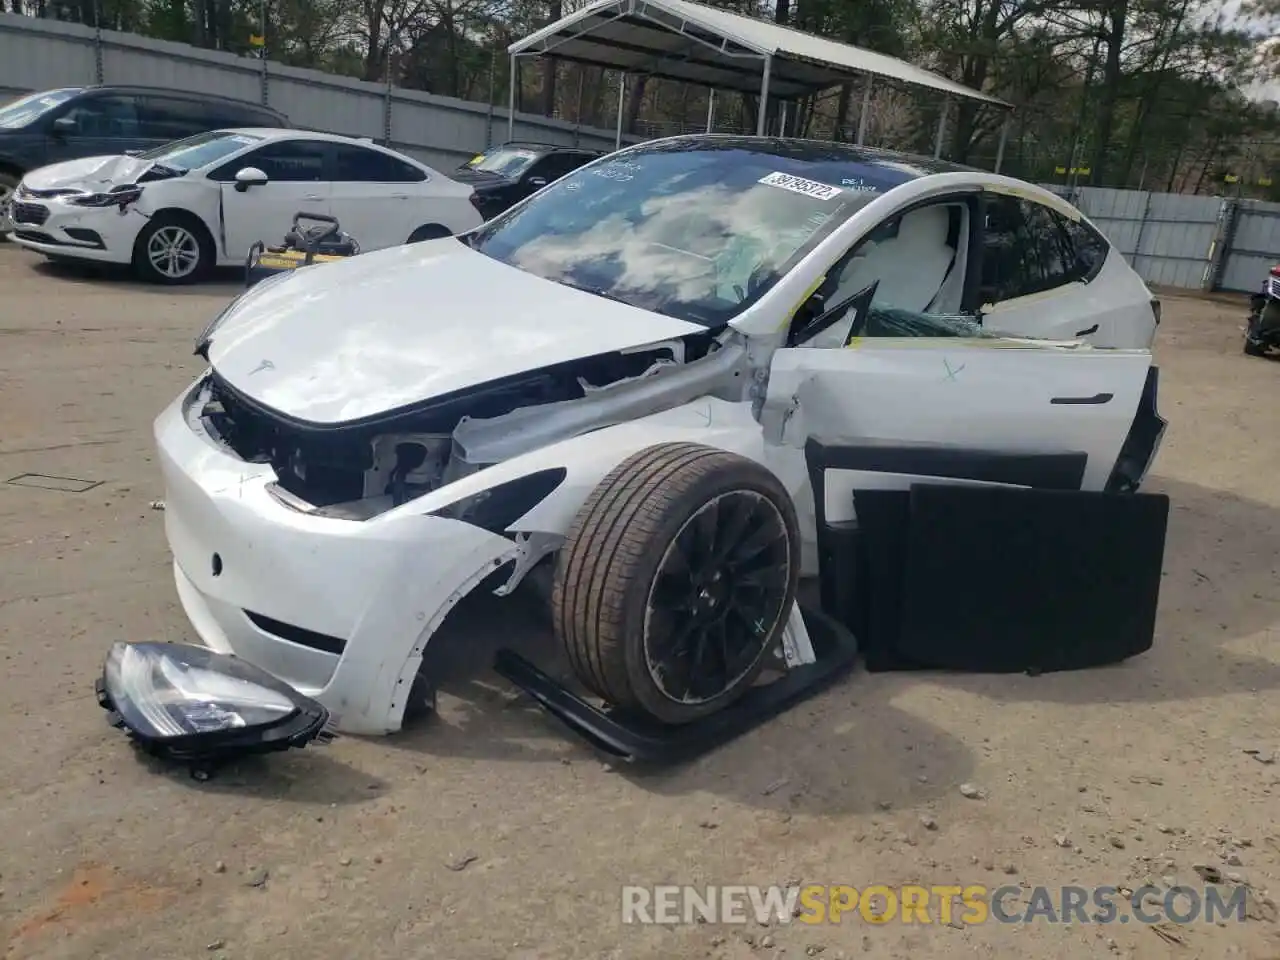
340 610
58 228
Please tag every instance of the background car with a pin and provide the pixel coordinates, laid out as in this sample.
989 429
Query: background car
74 122
177 211
509 173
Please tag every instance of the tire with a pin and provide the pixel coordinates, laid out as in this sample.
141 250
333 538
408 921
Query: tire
429 231
8 184
191 239
622 550
1254 350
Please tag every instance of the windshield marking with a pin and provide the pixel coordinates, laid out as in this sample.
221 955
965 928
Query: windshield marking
810 188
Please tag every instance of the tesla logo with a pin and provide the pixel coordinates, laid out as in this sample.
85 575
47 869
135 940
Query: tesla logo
264 365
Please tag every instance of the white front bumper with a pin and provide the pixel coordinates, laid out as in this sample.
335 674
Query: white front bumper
63 231
376 589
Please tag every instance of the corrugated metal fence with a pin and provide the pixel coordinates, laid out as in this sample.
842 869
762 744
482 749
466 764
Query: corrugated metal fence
1198 243
39 54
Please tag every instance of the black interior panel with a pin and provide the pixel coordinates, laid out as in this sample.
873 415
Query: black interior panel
1010 580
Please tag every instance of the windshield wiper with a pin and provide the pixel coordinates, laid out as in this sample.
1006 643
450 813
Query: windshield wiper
595 290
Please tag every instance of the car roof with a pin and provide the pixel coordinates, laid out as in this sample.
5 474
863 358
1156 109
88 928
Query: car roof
545 147
165 91
294 133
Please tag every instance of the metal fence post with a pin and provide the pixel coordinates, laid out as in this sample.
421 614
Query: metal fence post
1142 228
1221 246
98 73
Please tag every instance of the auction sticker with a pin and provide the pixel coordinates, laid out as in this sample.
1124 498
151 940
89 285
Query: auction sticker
810 188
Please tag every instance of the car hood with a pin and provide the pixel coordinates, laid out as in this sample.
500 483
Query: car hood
346 341
91 174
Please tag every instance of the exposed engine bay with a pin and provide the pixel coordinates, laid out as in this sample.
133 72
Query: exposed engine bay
358 470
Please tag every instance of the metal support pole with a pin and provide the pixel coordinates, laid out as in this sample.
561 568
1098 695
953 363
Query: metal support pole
262 52
622 105
488 120
511 102
865 115
782 119
1004 138
942 128
711 110
577 110
97 41
764 97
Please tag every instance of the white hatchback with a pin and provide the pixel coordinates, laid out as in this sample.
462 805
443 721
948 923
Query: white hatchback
181 209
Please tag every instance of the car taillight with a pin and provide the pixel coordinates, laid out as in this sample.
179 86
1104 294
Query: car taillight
1275 271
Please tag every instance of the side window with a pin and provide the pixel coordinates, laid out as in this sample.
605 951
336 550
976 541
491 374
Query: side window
172 118
1089 247
1008 270
1051 246
555 166
904 279
288 161
355 164
111 116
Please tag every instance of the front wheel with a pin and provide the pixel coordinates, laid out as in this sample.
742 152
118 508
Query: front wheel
8 185
172 249
676 579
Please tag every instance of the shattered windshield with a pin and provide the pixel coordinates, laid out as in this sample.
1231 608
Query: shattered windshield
200 150
22 111
696 229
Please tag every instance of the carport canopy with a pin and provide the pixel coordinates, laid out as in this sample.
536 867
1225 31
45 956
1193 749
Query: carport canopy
691 42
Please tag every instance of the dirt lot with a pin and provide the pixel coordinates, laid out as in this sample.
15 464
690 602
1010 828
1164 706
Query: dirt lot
1109 777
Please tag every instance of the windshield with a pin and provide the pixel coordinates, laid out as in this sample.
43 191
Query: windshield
696 229
505 161
200 150
22 111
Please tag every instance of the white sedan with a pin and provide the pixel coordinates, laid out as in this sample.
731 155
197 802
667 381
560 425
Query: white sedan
177 211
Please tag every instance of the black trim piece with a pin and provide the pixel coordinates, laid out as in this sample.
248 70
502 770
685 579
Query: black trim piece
1097 398
499 507
643 741
1086 332
299 635
1042 469
1143 440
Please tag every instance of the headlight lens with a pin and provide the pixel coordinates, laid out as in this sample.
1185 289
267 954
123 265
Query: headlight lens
170 696
118 197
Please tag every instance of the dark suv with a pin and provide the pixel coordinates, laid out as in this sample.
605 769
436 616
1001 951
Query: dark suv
509 173
74 122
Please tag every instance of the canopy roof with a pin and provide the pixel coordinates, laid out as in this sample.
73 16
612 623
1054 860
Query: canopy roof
683 40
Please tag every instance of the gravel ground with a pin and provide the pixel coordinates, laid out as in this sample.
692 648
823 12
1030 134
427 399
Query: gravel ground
486 833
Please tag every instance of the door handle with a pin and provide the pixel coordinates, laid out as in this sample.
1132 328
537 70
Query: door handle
1095 399
399 196
1085 333
312 196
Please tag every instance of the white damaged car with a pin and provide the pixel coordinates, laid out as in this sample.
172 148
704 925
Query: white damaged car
615 382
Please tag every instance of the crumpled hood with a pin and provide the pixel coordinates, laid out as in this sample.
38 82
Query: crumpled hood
338 342
91 174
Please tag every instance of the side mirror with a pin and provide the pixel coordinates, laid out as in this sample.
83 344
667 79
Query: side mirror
134 153
64 125
250 177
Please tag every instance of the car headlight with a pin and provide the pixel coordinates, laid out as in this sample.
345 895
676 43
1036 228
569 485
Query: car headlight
116 197
191 702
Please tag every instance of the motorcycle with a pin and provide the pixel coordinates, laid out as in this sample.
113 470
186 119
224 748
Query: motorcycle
1263 330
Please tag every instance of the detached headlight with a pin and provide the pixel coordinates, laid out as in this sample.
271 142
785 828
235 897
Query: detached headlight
116 197
196 705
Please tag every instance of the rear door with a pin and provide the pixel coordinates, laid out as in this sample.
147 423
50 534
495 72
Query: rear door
296 183
166 119
376 197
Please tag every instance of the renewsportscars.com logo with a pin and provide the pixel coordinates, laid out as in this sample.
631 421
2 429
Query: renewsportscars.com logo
941 904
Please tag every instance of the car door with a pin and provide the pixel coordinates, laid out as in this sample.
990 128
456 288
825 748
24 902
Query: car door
96 125
547 170
888 350
376 197
1042 276
296 172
